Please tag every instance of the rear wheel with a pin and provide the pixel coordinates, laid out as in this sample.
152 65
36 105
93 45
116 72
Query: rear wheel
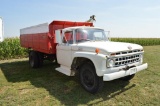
89 79
40 59
33 59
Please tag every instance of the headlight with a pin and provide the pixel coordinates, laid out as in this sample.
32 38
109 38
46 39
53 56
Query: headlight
110 63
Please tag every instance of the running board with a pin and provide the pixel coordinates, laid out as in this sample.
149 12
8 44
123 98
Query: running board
65 70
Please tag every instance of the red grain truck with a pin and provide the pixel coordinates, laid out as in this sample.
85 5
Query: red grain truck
84 51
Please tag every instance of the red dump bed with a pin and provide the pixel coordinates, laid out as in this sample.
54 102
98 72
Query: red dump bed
42 37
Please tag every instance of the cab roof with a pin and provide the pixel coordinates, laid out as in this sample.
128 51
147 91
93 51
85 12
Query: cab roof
80 27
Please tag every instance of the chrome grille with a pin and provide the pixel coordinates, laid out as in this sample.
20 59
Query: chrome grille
124 60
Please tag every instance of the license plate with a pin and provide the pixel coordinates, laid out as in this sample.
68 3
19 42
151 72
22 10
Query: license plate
133 71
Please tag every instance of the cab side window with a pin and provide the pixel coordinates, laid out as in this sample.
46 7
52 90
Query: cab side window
68 37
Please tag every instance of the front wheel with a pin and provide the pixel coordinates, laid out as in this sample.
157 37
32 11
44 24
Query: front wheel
89 79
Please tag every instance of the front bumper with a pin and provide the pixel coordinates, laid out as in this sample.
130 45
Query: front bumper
123 73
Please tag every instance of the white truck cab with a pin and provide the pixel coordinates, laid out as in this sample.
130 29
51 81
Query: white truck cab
88 53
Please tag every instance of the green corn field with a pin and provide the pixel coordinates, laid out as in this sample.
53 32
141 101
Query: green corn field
140 41
10 47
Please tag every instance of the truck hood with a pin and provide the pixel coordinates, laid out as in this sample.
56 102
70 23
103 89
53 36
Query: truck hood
108 46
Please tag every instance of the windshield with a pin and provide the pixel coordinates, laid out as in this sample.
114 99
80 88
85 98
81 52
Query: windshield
83 35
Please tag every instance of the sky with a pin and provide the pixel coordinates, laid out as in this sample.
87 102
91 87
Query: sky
123 18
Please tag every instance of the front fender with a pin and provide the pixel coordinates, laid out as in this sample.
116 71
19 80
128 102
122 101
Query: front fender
99 60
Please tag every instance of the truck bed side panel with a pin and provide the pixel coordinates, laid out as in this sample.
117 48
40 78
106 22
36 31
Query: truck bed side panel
38 42
36 38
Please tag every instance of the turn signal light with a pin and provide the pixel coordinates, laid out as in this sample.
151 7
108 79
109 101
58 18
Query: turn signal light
97 50
113 54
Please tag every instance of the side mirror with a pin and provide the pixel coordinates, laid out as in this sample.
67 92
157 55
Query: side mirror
58 36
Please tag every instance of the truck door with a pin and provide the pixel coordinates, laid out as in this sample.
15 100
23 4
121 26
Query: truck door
64 53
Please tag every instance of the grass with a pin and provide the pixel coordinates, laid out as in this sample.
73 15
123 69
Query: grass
21 85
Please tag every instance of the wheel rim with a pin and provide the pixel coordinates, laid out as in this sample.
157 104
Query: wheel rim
88 79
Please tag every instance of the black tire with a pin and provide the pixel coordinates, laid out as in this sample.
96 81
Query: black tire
33 59
89 79
128 78
40 59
